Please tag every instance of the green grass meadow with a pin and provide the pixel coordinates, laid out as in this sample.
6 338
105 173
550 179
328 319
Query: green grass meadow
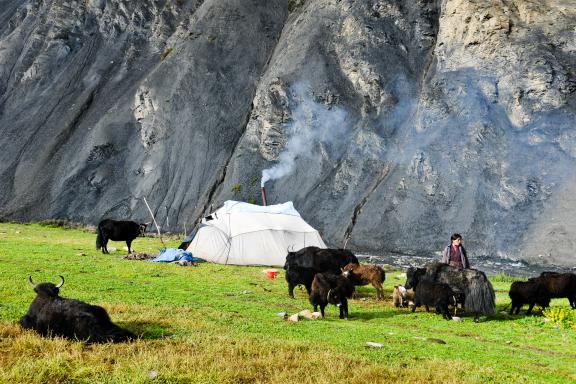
218 324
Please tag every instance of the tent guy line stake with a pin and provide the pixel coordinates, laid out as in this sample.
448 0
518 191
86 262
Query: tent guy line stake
155 223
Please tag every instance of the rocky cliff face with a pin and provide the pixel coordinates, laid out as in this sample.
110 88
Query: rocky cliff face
390 124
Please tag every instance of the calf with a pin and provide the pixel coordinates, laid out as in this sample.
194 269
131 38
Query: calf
118 231
328 288
528 292
52 315
429 293
302 265
559 285
400 296
363 274
437 295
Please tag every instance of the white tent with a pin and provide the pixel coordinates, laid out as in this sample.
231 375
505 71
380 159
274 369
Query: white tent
246 234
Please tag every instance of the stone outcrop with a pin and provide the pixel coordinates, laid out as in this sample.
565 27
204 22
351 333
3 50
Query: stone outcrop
390 124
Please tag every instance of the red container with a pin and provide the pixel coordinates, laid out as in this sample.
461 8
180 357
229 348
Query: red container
270 274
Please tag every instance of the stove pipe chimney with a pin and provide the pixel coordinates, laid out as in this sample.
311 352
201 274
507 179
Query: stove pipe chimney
263 196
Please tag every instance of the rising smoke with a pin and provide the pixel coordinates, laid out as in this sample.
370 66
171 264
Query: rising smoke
311 123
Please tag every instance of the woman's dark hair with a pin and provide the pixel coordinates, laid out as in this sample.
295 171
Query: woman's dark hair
455 237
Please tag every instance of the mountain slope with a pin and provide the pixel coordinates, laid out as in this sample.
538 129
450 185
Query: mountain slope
399 122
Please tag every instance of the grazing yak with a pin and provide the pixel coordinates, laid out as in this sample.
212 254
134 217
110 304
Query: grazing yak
429 294
363 274
52 315
559 285
470 284
118 231
329 288
528 292
302 265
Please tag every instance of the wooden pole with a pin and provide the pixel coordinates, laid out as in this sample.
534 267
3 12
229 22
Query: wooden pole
155 223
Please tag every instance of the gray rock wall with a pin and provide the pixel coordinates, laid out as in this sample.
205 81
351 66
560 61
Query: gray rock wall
390 124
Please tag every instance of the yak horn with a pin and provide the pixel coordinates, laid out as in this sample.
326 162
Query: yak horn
31 282
61 282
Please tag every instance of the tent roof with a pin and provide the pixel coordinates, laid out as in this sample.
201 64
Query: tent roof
236 218
231 206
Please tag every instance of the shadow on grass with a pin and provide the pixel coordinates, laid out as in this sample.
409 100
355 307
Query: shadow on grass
500 315
148 330
359 315
365 295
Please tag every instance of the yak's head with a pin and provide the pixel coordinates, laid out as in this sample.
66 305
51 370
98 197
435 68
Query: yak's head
413 277
46 289
290 257
335 297
349 272
350 267
142 229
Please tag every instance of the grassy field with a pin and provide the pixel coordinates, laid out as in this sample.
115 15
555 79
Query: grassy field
219 324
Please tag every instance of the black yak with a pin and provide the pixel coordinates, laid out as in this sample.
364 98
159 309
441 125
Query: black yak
302 265
429 294
118 231
559 285
328 288
52 315
363 274
297 275
528 292
470 284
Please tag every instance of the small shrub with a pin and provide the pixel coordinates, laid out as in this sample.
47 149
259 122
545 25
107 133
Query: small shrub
531 321
251 200
561 317
504 278
295 4
236 188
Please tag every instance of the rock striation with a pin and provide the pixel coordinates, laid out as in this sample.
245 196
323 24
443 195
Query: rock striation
390 124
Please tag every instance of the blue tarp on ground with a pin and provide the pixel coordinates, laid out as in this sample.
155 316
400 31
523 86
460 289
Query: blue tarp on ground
169 255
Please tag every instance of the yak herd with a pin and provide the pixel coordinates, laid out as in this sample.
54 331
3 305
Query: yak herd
329 276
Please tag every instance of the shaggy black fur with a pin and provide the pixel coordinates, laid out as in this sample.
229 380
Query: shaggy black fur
328 288
302 265
559 285
528 292
52 315
470 284
118 231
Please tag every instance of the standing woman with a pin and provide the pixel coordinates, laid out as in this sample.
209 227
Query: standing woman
455 254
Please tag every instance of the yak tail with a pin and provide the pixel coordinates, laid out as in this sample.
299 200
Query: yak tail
99 239
480 296
382 275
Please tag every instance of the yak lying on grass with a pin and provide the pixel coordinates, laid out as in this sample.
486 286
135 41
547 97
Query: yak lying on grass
559 285
52 315
470 284
328 288
118 231
302 265
363 274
